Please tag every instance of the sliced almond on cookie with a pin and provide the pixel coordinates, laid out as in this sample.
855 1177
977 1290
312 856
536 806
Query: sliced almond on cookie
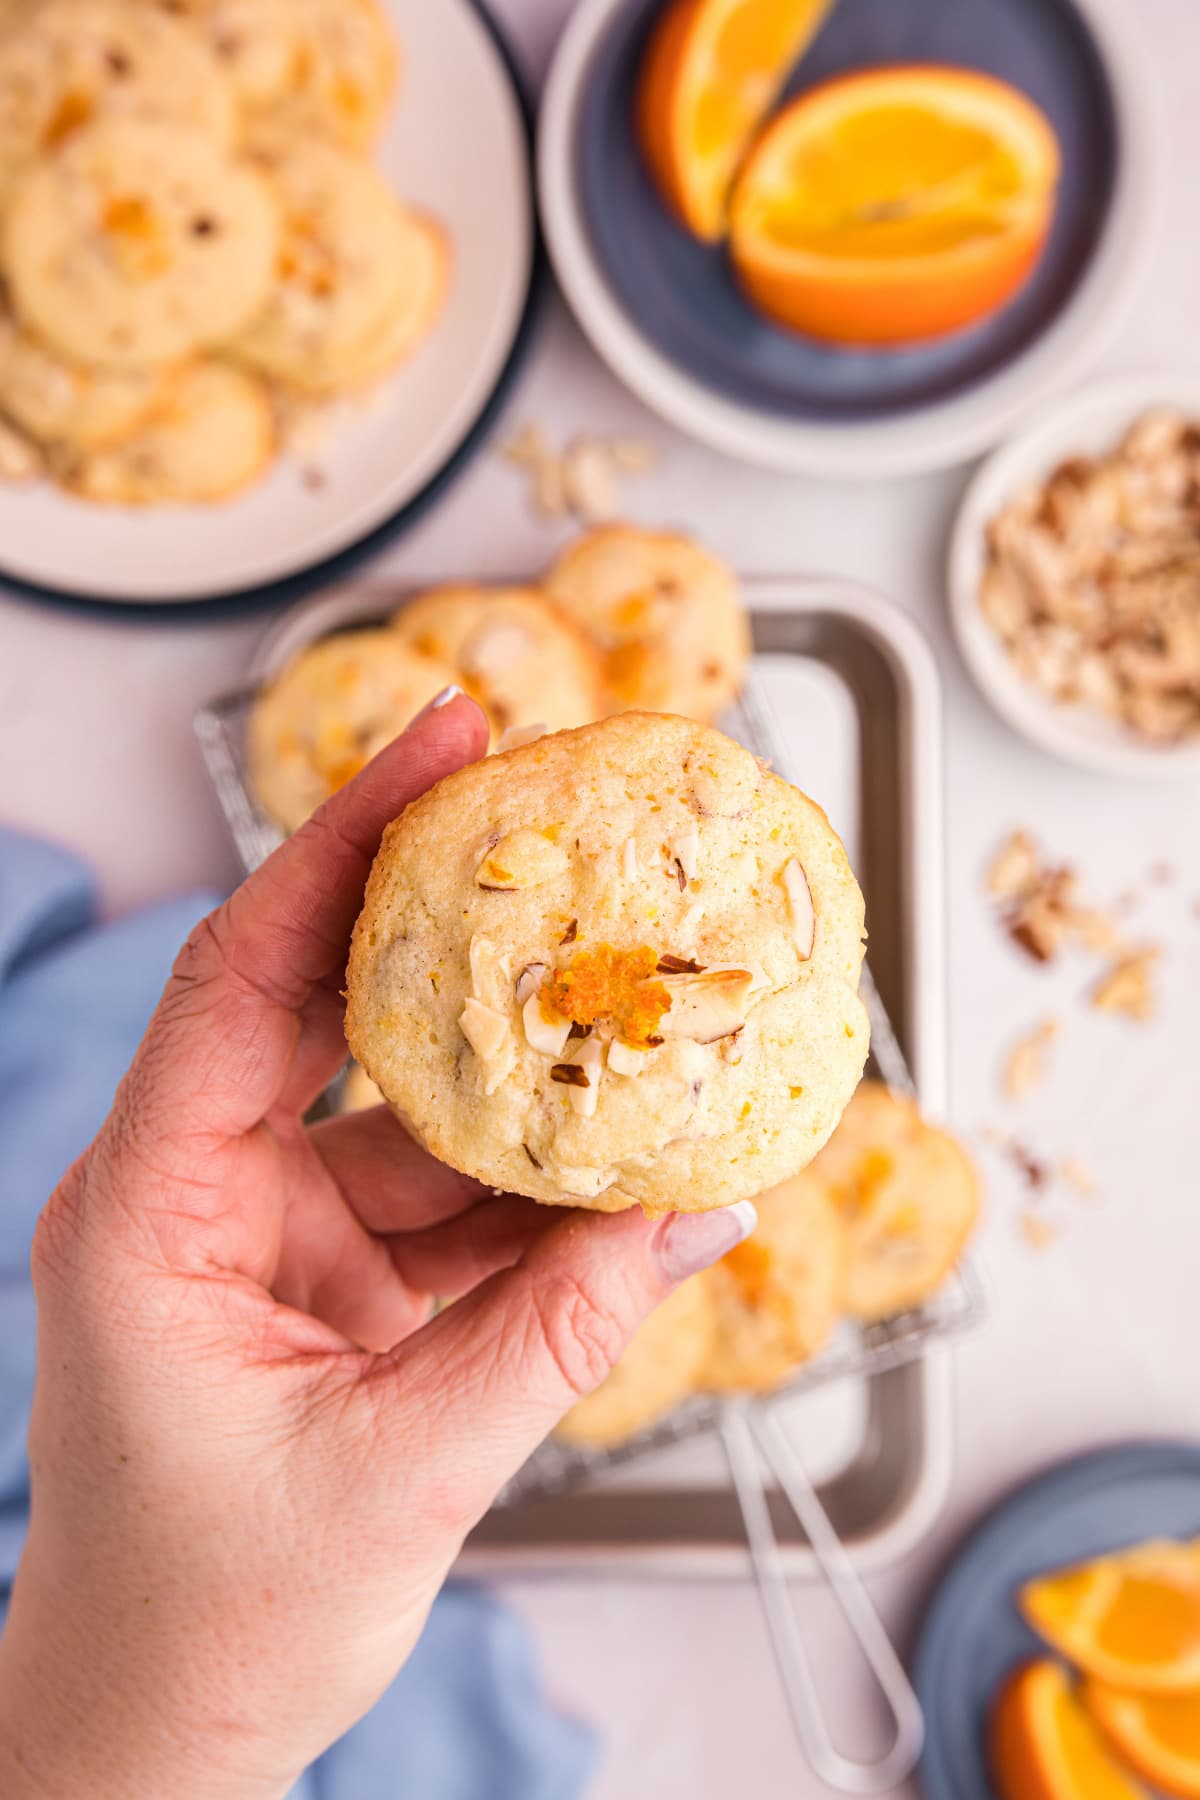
490 1037
706 1006
800 906
546 1033
522 859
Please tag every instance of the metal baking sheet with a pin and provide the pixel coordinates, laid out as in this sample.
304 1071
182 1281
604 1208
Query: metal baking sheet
853 700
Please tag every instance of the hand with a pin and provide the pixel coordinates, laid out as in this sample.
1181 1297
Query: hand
254 1453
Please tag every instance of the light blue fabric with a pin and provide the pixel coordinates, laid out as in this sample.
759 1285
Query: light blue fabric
466 1719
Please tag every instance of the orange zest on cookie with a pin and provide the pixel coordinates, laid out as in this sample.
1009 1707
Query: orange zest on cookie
614 986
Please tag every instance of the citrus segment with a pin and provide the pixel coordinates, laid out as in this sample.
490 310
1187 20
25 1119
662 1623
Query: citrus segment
894 205
1157 1734
710 75
1131 1619
1044 1746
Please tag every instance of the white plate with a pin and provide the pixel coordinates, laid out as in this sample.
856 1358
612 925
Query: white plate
457 145
926 436
1089 423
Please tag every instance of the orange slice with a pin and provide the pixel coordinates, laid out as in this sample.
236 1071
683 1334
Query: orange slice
1157 1734
1131 1620
710 75
1042 1745
894 205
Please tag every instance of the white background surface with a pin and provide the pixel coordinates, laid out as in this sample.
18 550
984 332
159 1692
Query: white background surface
1096 1337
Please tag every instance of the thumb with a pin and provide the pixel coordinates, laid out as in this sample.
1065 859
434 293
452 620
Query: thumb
495 1372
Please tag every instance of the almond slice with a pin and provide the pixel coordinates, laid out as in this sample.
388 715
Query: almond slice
685 850
490 1038
800 905
706 1006
516 735
582 1073
547 1036
623 1059
489 971
530 980
525 858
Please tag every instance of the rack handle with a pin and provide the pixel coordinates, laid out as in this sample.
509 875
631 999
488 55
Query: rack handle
750 1434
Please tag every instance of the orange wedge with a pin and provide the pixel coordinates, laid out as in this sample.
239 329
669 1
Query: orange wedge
1042 1745
1157 1734
1131 1620
710 75
895 205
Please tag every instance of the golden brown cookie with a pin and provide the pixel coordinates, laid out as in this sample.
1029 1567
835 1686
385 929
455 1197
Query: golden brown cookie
666 613
527 662
615 966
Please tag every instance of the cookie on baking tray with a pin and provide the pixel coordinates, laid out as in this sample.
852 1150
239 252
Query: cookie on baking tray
525 660
211 435
255 42
345 72
327 714
658 1369
666 612
138 243
73 62
61 402
908 1197
616 966
777 1297
343 268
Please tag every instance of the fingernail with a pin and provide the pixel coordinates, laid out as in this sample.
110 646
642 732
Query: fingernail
689 1242
443 699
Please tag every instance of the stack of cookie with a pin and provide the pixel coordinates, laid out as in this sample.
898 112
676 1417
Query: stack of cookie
626 618
871 1228
192 235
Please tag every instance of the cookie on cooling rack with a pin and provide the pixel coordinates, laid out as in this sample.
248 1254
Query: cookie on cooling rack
617 966
345 71
658 1370
778 1296
351 258
67 63
327 714
666 613
210 436
526 661
908 1197
137 243
59 402
255 42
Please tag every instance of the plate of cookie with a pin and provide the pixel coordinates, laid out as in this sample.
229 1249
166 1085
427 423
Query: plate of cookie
261 285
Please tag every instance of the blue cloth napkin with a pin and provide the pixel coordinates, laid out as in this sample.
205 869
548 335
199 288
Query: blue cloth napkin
466 1719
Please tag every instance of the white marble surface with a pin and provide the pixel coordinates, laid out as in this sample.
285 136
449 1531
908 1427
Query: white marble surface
1095 1337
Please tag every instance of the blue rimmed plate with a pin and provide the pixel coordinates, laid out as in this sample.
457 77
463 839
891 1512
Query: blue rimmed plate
973 1636
666 314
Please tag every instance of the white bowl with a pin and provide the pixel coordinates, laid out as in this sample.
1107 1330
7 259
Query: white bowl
456 146
1089 423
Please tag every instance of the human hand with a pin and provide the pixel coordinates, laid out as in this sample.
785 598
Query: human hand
254 1454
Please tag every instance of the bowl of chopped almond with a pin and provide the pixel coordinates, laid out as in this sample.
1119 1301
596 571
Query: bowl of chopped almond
1074 579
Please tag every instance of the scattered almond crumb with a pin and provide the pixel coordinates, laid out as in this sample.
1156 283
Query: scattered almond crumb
1127 987
1025 1065
1077 1175
1034 1173
1039 907
1014 868
583 479
1161 874
1037 1231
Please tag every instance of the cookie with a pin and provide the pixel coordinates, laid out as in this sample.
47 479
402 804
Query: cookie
657 1371
522 658
65 403
68 63
908 1196
255 42
327 714
616 966
342 266
345 72
138 243
667 614
777 1297
413 311
212 435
